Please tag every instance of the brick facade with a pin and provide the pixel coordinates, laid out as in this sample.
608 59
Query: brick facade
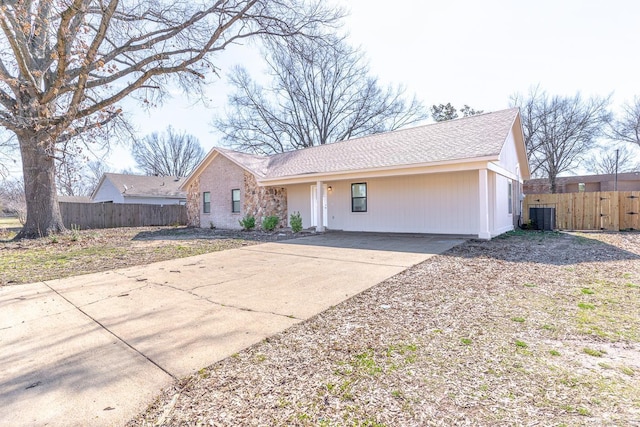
219 178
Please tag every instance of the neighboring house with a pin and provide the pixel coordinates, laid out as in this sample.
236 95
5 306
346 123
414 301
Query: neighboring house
149 190
461 176
75 199
629 181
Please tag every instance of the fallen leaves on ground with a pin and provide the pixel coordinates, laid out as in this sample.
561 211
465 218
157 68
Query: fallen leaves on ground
526 329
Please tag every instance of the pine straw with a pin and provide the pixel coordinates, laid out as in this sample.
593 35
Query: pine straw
490 333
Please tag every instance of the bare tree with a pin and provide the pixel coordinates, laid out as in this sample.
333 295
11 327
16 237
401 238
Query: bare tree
8 150
66 64
78 175
13 198
94 171
442 112
170 153
320 92
627 127
560 131
609 160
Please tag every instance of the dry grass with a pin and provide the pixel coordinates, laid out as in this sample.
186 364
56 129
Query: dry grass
90 251
490 333
9 222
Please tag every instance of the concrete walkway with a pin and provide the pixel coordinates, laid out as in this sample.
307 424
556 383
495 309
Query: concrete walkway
96 349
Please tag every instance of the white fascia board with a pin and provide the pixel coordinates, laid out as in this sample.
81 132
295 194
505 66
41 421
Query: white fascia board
441 167
502 171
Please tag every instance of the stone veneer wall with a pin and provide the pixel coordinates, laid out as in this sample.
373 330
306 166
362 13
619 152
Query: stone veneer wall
264 201
193 203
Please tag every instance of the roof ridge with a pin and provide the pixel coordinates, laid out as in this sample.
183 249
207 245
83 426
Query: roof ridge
396 131
479 136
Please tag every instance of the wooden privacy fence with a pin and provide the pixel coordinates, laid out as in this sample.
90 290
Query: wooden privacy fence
603 210
112 215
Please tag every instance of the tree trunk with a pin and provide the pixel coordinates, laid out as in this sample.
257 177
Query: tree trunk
43 211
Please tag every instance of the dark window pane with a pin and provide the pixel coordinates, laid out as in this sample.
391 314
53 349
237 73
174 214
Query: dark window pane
359 204
359 197
206 202
235 201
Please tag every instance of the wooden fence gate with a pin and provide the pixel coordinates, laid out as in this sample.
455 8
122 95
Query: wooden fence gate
605 210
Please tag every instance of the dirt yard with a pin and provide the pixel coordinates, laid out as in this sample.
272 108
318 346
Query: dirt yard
90 251
527 329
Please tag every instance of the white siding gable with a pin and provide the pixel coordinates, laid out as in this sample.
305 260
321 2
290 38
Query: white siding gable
509 156
108 193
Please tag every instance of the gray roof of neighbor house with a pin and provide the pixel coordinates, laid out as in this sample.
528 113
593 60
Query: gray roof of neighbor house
462 139
74 199
145 186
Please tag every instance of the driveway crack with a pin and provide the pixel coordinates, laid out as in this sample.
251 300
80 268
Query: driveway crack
200 297
112 333
328 258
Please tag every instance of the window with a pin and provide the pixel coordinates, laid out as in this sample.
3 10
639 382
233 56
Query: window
581 187
510 197
235 201
359 197
206 202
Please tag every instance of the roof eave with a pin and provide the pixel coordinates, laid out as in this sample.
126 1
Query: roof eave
151 196
525 172
409 169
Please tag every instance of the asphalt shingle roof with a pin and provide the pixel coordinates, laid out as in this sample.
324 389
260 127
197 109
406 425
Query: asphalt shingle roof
466 138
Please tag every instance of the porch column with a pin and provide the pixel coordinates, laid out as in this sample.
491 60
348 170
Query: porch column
319 207
483 192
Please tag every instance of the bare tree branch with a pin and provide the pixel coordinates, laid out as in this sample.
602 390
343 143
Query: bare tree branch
168 154
321 92
609 160
560 131
627 127
66 64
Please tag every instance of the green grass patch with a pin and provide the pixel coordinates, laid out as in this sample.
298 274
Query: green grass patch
365 362
593 352
588 291
584 412
518 319
521 344
529 285
612 313
627 371
554 352
466 341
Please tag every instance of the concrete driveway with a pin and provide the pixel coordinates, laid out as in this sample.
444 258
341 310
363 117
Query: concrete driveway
96 349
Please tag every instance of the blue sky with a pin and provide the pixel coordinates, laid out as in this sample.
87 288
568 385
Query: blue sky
460 51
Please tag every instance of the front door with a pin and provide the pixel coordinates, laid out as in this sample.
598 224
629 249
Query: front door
314 200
